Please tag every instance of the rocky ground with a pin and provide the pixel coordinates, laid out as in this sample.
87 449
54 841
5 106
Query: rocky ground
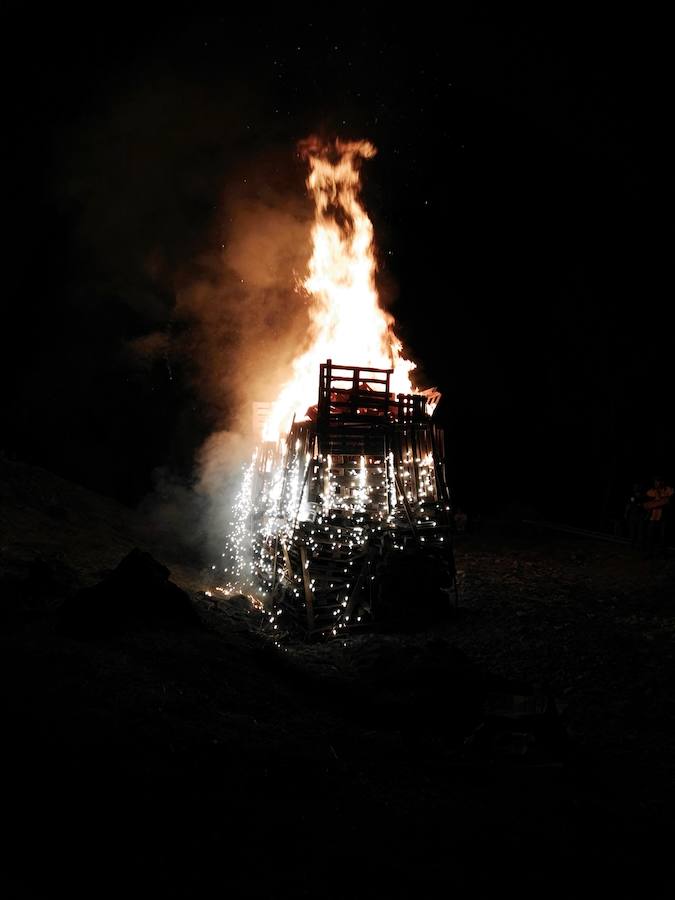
526 743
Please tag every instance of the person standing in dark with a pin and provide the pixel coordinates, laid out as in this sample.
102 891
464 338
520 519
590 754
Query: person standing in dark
635 516
657 503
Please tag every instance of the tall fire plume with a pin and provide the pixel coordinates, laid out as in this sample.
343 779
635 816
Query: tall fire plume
346 320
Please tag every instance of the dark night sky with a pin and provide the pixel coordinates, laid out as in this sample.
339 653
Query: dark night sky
522 199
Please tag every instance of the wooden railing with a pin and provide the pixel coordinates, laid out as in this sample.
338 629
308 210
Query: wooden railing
346 392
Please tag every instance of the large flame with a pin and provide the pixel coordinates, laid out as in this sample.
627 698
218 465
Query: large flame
347 323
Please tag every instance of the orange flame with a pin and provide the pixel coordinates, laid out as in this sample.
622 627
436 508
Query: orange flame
347 323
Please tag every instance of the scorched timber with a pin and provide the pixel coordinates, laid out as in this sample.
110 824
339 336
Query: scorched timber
353 509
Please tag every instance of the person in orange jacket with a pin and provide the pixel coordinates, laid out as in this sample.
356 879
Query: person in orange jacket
656 504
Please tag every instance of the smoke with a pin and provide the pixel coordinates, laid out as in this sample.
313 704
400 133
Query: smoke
240 318
247 313
190 237
190 517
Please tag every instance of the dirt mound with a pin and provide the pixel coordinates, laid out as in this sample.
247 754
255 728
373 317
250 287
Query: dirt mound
137 593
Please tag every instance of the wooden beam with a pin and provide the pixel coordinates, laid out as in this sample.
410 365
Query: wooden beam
309 596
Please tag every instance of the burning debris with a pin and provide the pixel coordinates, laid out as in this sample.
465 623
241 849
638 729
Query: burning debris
344 518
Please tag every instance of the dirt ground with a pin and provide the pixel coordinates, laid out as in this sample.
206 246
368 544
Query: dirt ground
179 761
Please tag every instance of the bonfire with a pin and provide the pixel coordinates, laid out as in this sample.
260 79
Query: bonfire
343 518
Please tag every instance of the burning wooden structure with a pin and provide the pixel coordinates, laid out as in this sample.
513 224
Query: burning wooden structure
352 510
345 520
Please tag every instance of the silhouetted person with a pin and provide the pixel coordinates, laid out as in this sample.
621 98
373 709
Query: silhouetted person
460 521
635 516
656 504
